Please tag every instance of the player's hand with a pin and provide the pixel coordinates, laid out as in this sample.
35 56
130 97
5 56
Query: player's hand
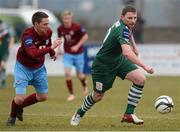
57 42
53 58
148 69
74 48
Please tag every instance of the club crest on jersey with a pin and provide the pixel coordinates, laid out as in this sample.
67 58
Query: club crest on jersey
47 42
99 86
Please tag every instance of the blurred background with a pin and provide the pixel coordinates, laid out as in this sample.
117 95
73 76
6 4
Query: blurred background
157 30
161 17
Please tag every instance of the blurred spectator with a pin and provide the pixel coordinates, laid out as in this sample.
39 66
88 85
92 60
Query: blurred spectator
19 27
6 41
139 29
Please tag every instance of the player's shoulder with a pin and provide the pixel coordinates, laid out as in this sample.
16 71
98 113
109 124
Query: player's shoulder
76 25
49 32
122 28
28 32
126 29
126 33
121 25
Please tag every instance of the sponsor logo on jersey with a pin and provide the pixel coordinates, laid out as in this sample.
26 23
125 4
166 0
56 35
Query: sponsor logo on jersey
36 42
99 86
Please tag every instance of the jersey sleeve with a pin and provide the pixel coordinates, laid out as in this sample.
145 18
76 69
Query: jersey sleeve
82 30
31 49
27 41
124 36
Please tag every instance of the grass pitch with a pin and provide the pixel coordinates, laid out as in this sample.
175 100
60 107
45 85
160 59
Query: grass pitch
55 114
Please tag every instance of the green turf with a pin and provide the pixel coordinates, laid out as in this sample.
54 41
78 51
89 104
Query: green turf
55 114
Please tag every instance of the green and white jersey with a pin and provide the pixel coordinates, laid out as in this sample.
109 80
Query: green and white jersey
111 51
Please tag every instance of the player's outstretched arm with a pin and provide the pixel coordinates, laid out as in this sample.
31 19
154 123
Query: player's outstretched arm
80 43
129 54
134 45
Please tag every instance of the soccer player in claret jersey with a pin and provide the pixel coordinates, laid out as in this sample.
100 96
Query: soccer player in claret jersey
117 57
29 68
74 38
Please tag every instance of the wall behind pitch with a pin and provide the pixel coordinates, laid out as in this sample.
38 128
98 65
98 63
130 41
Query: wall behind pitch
165 58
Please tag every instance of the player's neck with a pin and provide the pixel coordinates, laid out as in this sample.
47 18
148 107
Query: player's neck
68 25
39 33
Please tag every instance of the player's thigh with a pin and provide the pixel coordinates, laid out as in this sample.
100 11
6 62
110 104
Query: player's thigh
125 68
103 82
40 80
22 76
79 63
67 60
136 76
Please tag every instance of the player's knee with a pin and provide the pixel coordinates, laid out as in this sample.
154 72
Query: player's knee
98 97
43 97
81 76
19 100
141 80
68 77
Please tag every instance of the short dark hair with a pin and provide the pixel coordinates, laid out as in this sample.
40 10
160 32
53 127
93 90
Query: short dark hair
128 8
38 16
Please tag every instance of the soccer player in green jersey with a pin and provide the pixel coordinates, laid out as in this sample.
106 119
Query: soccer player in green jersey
117 57
6 41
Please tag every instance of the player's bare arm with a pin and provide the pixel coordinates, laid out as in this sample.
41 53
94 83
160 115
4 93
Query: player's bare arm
134 45
60 47
129 54
80 43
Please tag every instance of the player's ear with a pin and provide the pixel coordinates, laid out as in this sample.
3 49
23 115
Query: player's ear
121 16
36 23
